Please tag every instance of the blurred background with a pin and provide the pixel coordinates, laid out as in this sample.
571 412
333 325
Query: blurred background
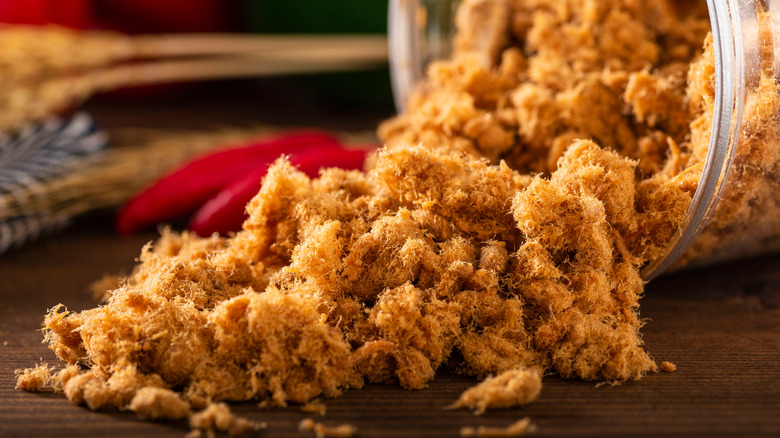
89 167
350 91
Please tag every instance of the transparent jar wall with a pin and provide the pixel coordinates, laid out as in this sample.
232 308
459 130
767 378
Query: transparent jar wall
744 218
736 209
419 32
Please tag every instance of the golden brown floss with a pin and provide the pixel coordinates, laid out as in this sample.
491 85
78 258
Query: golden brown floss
506 220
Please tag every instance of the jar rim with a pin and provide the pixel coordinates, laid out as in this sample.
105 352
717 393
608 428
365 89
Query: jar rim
727 29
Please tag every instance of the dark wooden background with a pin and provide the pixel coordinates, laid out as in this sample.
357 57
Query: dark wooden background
720 325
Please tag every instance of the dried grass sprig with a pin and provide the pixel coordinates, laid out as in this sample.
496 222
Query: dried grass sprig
49 69
106 179
33 52
26 103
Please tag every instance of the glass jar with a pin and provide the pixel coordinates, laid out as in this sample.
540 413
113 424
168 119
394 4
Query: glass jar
741 172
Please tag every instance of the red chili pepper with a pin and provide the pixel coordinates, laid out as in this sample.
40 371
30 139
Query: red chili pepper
226 211
182 191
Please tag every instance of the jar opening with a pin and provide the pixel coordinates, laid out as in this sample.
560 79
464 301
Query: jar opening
738 28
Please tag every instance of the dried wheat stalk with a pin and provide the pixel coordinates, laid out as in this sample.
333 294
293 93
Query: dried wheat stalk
47 70
105 180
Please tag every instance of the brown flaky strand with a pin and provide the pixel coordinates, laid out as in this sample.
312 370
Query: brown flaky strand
517 429
504 224
512 388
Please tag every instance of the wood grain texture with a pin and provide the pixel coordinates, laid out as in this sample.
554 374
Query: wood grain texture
720 326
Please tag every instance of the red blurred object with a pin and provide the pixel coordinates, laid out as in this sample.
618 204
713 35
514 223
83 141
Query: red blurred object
185 189
70 13
226 211
130 16
142 16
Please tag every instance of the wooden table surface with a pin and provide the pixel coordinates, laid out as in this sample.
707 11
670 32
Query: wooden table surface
720 325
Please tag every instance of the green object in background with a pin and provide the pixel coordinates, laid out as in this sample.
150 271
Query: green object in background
370 88
316 16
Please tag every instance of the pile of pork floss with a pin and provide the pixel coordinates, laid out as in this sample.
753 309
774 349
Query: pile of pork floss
500 231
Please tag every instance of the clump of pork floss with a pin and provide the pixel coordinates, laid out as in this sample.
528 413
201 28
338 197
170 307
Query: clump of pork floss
505 223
